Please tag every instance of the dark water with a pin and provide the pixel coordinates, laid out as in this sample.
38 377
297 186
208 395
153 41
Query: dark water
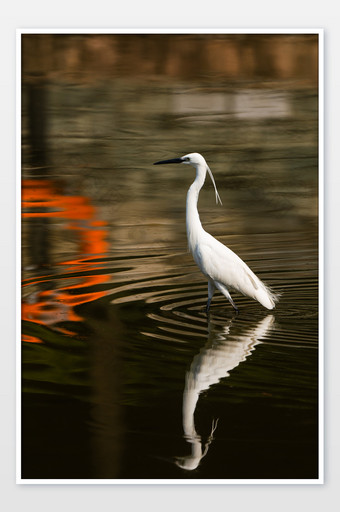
124 376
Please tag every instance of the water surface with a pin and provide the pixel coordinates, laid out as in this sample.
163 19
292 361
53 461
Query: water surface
123 374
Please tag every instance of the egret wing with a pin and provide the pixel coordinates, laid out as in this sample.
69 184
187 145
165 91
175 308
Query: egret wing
221 264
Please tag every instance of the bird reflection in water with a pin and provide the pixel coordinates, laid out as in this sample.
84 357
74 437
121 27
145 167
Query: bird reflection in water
221 354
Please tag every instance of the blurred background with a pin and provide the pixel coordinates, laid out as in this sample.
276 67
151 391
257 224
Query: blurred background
113 305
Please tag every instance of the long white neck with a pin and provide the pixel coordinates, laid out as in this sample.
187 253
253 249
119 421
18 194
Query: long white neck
194 226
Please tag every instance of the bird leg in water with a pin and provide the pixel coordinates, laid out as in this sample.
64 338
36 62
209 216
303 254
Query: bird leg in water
226 293
211 291
212 285
234 306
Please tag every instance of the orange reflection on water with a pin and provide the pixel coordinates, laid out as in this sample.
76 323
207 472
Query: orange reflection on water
49 306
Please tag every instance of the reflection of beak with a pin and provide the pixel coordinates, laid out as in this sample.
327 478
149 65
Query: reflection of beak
165 459
171 161
186 462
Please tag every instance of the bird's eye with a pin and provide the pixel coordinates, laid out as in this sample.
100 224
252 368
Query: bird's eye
186 159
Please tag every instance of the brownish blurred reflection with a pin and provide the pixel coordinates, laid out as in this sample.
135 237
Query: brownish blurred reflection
181 56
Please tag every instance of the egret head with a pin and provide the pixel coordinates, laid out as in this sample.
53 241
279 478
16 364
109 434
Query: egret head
192 159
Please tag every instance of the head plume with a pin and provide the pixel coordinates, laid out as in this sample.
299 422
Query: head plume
218 199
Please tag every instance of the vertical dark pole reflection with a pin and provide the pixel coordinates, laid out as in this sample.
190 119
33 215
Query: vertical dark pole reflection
36 157
36 95
221 354
106 383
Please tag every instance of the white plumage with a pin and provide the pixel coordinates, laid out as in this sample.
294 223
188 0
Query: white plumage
221 266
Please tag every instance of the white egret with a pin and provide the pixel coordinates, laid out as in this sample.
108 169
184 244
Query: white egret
222 267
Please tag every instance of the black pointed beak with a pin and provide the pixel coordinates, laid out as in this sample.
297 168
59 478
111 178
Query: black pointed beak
172 161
